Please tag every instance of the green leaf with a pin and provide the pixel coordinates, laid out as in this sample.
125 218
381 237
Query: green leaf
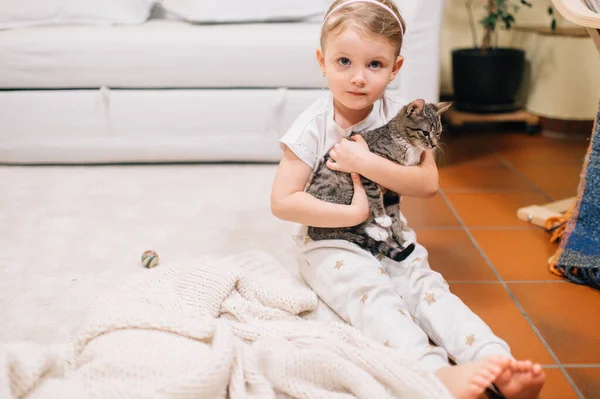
508 20
490 21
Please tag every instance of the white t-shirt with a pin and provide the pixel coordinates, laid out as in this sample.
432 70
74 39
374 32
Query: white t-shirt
314 133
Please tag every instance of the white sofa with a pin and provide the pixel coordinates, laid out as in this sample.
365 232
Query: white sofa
167 90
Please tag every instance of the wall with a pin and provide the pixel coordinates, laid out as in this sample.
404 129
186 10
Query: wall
562 76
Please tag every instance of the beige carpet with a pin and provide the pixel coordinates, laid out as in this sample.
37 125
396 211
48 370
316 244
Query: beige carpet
69 234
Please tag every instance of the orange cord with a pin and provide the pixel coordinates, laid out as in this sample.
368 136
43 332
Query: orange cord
557 224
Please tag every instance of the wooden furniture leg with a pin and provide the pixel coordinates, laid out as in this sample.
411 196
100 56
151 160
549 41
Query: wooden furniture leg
595 35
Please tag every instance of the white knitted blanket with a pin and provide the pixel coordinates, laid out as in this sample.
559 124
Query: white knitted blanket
236 327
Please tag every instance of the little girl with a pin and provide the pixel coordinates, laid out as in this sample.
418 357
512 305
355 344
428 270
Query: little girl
401 305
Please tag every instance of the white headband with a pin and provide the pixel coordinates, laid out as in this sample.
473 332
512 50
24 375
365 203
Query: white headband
380 4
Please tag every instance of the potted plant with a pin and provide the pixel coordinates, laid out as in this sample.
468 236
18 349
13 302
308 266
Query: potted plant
486 78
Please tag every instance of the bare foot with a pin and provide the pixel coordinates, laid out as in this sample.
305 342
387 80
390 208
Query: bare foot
521 380
470 380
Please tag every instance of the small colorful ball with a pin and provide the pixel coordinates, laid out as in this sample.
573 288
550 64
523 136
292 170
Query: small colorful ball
150 259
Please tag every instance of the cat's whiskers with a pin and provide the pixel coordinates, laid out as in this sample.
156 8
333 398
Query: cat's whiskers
439 152
423 147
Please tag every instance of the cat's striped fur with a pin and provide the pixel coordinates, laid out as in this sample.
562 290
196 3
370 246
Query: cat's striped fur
415 128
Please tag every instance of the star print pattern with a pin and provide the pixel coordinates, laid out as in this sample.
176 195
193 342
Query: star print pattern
470 340
429 298
431 294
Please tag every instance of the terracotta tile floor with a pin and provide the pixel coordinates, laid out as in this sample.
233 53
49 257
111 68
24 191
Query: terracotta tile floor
497 264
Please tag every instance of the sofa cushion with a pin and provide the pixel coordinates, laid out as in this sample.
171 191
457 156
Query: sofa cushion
162 54
22 13
174 54
245 10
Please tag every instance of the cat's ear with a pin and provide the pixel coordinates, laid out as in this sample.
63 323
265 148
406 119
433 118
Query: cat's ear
416 107
441 107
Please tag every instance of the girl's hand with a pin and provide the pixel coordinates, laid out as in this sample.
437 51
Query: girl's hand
360 202
349 155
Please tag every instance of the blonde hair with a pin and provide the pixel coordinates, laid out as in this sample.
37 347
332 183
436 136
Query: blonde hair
369 18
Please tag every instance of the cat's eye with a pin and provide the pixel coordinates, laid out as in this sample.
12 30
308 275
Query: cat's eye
344 61
425 133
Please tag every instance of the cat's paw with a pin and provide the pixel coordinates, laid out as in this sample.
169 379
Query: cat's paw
377 233
384 221
399 240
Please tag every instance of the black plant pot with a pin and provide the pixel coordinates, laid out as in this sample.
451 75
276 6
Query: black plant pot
487 82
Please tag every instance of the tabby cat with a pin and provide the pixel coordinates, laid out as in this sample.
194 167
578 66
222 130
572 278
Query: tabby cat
416 127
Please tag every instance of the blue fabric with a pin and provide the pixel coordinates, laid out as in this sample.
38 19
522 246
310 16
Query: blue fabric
579 252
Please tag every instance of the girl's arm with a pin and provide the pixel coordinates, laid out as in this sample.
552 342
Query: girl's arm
290 202
414 181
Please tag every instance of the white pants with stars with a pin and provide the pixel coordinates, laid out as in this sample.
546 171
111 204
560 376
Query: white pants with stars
400 304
